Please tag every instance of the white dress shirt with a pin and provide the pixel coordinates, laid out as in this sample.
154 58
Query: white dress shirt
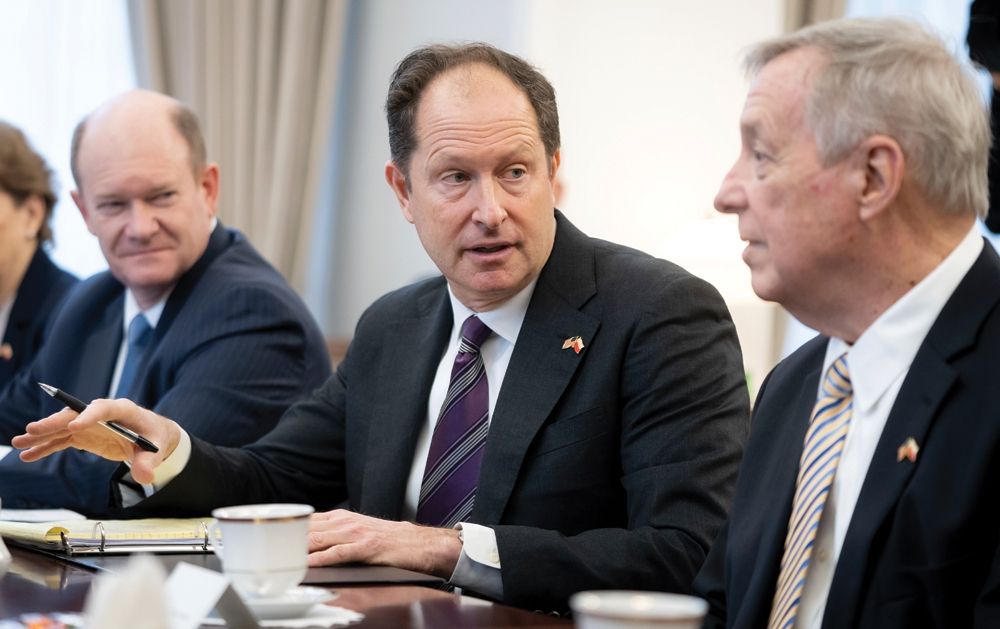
5 309
129 495
878 363
478 566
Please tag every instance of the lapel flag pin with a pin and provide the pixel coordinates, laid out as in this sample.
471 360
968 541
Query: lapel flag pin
575 342
908 451
6 351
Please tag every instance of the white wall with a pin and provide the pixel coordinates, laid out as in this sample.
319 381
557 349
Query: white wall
74 57
649 96
372 249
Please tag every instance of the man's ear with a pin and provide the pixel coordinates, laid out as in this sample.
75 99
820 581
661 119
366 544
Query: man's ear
554 165
81 205
883 163
554 182
209 185
397 181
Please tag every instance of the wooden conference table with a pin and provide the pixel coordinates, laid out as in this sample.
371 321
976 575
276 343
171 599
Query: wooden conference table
37 582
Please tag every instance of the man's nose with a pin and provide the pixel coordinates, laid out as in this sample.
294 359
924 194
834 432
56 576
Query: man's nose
489 210
731 197
142 221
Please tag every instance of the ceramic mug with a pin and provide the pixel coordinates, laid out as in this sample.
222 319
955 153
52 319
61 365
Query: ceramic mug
621 609
263 547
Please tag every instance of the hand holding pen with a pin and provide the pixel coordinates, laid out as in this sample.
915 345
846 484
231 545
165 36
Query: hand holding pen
84 430
79 407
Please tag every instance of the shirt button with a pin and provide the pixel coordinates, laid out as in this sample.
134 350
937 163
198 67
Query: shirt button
494 557
823 555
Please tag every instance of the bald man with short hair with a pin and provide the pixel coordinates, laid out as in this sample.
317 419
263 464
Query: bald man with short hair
189 319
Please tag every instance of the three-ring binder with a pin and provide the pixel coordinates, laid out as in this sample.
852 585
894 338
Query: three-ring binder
110 537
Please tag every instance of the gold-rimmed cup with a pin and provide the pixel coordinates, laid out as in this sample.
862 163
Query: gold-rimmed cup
263 547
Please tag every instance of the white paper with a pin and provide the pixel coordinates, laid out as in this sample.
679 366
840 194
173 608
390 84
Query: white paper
39 515
131 598
193 592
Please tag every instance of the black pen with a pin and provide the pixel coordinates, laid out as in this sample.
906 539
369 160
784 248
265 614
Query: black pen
79 407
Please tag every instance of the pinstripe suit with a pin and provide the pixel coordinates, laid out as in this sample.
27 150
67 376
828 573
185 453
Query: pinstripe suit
233 349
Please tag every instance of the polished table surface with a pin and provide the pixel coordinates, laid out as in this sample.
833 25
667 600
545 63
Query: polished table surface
39 583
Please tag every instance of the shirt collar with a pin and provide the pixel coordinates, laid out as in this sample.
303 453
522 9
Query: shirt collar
886 349
152 314
505 320
5 309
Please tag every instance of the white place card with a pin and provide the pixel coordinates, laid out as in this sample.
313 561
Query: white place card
193 592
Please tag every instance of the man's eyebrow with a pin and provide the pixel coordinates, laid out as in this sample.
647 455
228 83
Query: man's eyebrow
152 191
750 129
108 196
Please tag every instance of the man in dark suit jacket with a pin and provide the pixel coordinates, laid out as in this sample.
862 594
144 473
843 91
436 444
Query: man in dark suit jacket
231 346
617 423
865 498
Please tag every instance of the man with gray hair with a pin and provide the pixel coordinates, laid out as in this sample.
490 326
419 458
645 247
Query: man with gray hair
867 488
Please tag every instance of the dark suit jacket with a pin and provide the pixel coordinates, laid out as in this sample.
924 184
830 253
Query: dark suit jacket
608 468
233 349
42 289
921 549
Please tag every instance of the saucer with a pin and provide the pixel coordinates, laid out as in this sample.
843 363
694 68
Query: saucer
291 604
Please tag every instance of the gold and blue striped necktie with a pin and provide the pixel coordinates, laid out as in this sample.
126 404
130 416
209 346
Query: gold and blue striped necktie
821 453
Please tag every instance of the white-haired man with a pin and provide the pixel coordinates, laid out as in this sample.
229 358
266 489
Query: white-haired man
866 494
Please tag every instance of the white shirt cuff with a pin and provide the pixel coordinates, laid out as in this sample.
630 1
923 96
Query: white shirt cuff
166 471
478 567
173 465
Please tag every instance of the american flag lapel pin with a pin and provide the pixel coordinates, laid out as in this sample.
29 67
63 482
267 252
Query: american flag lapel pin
909 451
575 342
6 351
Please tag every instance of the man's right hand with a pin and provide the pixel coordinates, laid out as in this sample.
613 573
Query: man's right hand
67 429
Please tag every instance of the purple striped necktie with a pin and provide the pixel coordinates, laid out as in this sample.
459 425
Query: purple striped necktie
451 474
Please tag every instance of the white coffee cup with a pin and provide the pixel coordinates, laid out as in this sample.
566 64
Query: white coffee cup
264 547
623 609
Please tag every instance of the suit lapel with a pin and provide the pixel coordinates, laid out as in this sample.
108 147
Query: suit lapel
219 240
772 503
411 351
539 369
100 345
928 381
32 292
31 295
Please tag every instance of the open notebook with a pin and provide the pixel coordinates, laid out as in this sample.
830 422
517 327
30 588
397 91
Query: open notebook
162 535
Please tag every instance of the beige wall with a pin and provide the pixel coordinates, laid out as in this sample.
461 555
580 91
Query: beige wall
649 96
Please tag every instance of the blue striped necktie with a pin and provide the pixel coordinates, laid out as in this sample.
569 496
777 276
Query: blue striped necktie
139 335
451 474
821 453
